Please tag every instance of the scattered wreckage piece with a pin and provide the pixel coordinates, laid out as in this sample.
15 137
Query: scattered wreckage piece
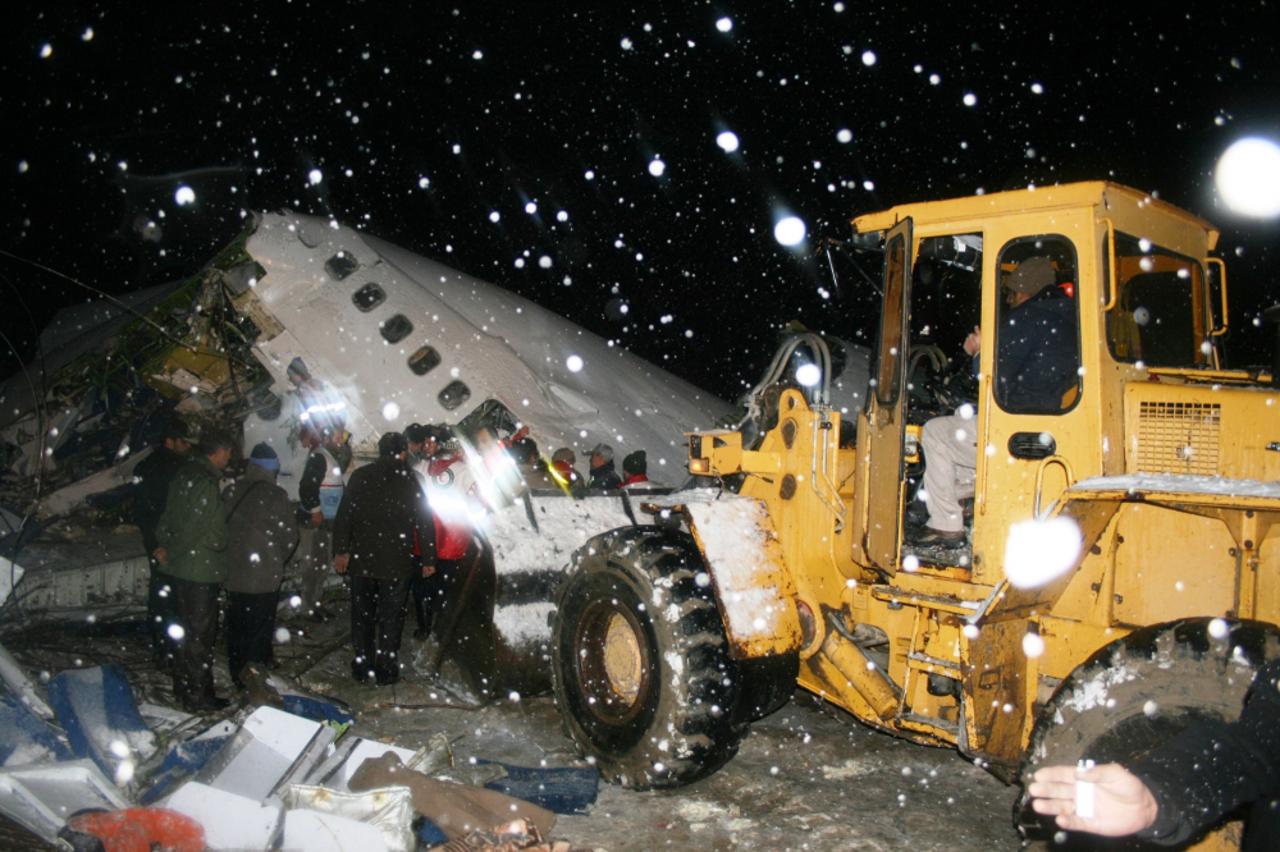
73 571
388 811
271 750
134 830
185 758
231 821
319 831
41 798
96 708
20 686
28 738
561 790
456 809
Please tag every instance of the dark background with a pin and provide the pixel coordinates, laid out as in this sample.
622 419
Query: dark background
241 101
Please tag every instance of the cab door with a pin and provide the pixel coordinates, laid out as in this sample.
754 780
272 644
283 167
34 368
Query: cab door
882 422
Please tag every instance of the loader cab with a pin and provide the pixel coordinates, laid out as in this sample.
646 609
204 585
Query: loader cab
1043 406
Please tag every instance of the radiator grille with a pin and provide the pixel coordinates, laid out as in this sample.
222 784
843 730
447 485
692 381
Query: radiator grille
1179 437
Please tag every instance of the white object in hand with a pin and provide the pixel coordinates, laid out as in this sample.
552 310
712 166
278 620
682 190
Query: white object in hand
1085 790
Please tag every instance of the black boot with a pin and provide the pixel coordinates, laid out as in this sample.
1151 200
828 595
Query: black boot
387 672
422 608
360 671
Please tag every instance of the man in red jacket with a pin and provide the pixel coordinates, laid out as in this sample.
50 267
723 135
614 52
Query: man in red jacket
441 472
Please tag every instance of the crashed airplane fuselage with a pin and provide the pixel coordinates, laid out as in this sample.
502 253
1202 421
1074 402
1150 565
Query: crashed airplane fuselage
391 338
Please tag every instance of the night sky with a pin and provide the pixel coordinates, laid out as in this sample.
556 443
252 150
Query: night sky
435 125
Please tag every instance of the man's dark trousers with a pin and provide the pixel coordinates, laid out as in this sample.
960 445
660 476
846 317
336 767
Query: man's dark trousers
195 608
377 620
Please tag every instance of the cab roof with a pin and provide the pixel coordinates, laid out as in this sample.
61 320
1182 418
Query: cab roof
1083 194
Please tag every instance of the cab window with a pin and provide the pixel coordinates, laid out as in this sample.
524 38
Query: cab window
1160 315
1037 355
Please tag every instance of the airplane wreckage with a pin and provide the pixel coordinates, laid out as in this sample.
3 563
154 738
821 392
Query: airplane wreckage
392 338
384 338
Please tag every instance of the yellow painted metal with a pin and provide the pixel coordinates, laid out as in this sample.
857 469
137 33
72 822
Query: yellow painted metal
881 426
860 673
935 653
1222 288
1112 288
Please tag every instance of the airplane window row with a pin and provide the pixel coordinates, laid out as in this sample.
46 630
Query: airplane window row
368 297
341 265
397 328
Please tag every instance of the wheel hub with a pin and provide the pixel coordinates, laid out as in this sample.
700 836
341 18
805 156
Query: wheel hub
623 659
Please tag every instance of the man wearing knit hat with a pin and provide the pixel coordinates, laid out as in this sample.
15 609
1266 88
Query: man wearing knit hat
1036 360
635 471
262 531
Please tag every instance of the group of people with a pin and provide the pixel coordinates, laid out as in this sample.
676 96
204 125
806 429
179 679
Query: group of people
400 529
200 541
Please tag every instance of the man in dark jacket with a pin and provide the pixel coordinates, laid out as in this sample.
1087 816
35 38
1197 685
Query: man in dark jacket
602 473
151 479
262 531
1185 785
1036 357
382 511
192 537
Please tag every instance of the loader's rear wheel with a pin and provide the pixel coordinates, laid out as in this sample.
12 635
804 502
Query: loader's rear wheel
1137 693
640 664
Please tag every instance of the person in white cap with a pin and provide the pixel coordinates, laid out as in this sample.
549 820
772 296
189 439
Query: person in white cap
603 474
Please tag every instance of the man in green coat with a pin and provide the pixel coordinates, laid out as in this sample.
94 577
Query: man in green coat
192 537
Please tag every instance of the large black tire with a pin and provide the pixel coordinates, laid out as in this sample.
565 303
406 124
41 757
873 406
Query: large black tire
641 669
1138 692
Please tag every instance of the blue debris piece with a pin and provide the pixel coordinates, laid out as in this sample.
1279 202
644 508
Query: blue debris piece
316 709
561 791
429 834
27 738
181 762
95 706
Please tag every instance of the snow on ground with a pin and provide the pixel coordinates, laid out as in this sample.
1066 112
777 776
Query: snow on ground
807 777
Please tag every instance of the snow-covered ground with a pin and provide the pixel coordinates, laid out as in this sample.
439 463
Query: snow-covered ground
807 777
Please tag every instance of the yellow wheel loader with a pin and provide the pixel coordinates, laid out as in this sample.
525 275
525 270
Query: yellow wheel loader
1117 578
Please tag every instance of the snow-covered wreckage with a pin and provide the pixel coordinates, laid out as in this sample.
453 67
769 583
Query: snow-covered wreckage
389 338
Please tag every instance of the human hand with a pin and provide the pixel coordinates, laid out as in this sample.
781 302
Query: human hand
973 342
428 569
161 555
340 562
1122 804
317 518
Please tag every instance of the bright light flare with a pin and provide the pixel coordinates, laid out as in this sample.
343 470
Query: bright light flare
1248 178
728 141
790 231
1039 552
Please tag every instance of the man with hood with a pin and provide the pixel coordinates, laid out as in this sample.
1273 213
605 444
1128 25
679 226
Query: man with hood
262 531
383 512
602 474
192 536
